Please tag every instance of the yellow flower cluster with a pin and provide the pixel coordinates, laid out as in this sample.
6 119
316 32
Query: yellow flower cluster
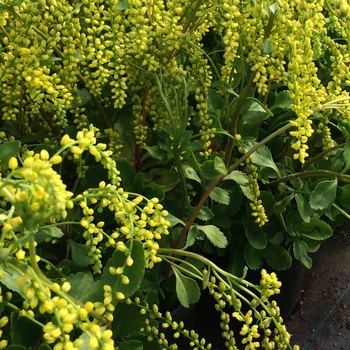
64 315
35 190
258 210
86 141
269 284
145 223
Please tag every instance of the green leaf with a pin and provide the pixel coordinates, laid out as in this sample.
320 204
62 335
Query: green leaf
215 100
303 207
346 155
214 235
8 150
268 202
208 170
277 257
131 345
96 174
84 288
283 100
222 221
257 239
48 232
293 218
80 254
263 157
300 249
174 220
25 332
149 282
122 5
220 166
280 206
254 112
220 195
153 191
239 177
82 97
190 173
127 320
316 229
344 196
155 152
127 171
191 146
205 214
187 289
134 272
252 257
191 237
138 182
324 194
267 46
10 273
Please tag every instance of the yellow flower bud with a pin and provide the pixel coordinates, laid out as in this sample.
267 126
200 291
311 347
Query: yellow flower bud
13 163
56 160
65 140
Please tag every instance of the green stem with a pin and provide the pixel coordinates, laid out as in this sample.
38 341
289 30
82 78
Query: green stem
175 147
341 211
233 123
38 272
241 283
220 178
14 307
319 156
311 174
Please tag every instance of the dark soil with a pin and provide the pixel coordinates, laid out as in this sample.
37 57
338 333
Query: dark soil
321 319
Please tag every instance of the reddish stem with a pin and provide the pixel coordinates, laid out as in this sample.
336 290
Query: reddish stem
138 145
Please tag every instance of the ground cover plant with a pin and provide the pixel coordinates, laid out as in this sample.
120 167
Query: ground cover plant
154 149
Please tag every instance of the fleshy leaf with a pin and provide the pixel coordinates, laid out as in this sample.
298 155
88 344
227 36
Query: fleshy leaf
10 273
85 288
220 195
127 320
220 166
252 257
205 214
134 272
48 232
8 150
254 111
280 206
23 331
324 194
187 289
208 170
303 207
257 239
300 249
262 156
80 254
214 235
190 173
239 177
316 229
277 257
283 100
191 237
131 345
